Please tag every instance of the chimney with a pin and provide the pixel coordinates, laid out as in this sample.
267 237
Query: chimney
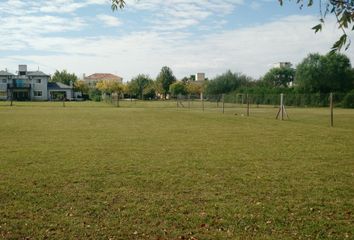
22 69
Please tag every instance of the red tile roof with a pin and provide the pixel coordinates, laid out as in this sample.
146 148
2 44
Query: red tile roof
103 76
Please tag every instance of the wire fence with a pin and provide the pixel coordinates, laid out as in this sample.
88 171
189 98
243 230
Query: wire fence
242 104
200 101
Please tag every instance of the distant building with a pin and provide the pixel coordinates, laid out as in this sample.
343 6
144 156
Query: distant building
31 85
97 77
200 77
282 64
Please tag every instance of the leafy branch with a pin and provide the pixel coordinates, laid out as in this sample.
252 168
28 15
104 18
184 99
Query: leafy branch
118 4
344 13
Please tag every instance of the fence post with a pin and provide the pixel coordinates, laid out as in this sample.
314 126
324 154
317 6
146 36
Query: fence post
223 103
331 107
12 97
177 101
189 101
248 105
202 97
282 110
282 105
63 101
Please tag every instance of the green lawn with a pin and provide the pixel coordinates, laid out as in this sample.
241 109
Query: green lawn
93 171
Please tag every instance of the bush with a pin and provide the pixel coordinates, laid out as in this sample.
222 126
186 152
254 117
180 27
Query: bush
348 101
95 95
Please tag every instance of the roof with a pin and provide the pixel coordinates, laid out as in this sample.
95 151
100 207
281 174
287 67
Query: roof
103 76
58 85
5 73
36 73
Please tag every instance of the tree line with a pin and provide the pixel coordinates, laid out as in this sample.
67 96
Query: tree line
315 74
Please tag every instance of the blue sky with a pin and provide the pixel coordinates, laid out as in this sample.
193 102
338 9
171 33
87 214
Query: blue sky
211 36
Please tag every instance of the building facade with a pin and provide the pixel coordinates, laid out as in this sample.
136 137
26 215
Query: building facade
30 85
282 64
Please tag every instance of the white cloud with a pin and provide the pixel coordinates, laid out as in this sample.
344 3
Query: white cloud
38 36
20 7
181 14
109 20
249 50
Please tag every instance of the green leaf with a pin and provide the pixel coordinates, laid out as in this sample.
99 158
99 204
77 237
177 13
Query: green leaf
317 28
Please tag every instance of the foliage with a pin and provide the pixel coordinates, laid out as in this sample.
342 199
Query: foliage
110 86
194 87
95 94
117 4
226 83
328 73
81 86
150 91
138 84
343 11
279 77
178 88
165 79
348 101
64 77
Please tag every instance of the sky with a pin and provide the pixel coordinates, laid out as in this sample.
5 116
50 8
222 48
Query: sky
189 36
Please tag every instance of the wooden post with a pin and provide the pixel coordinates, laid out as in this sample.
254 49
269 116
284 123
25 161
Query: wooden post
63 101
282 110
189 101
331 107
223 103
12 96
177 100
248 105
202 97
282 105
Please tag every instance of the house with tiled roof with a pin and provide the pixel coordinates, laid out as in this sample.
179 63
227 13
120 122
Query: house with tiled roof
31 85
97 77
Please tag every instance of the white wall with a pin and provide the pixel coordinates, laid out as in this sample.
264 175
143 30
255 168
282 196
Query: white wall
43 87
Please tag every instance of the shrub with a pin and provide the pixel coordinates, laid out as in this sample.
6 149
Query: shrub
95 94
348 101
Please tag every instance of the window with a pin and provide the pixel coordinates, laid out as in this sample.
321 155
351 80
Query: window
3 94
38 93
38 80
4 81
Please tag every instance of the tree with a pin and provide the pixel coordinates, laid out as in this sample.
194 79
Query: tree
226 83
342 9
279 76
194 88
178 88
64 77
82 87
328 73
165 79
138 84
150 91
110 86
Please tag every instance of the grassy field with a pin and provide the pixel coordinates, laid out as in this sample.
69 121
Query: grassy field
92 171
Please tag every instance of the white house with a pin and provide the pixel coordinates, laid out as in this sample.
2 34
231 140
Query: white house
31 85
